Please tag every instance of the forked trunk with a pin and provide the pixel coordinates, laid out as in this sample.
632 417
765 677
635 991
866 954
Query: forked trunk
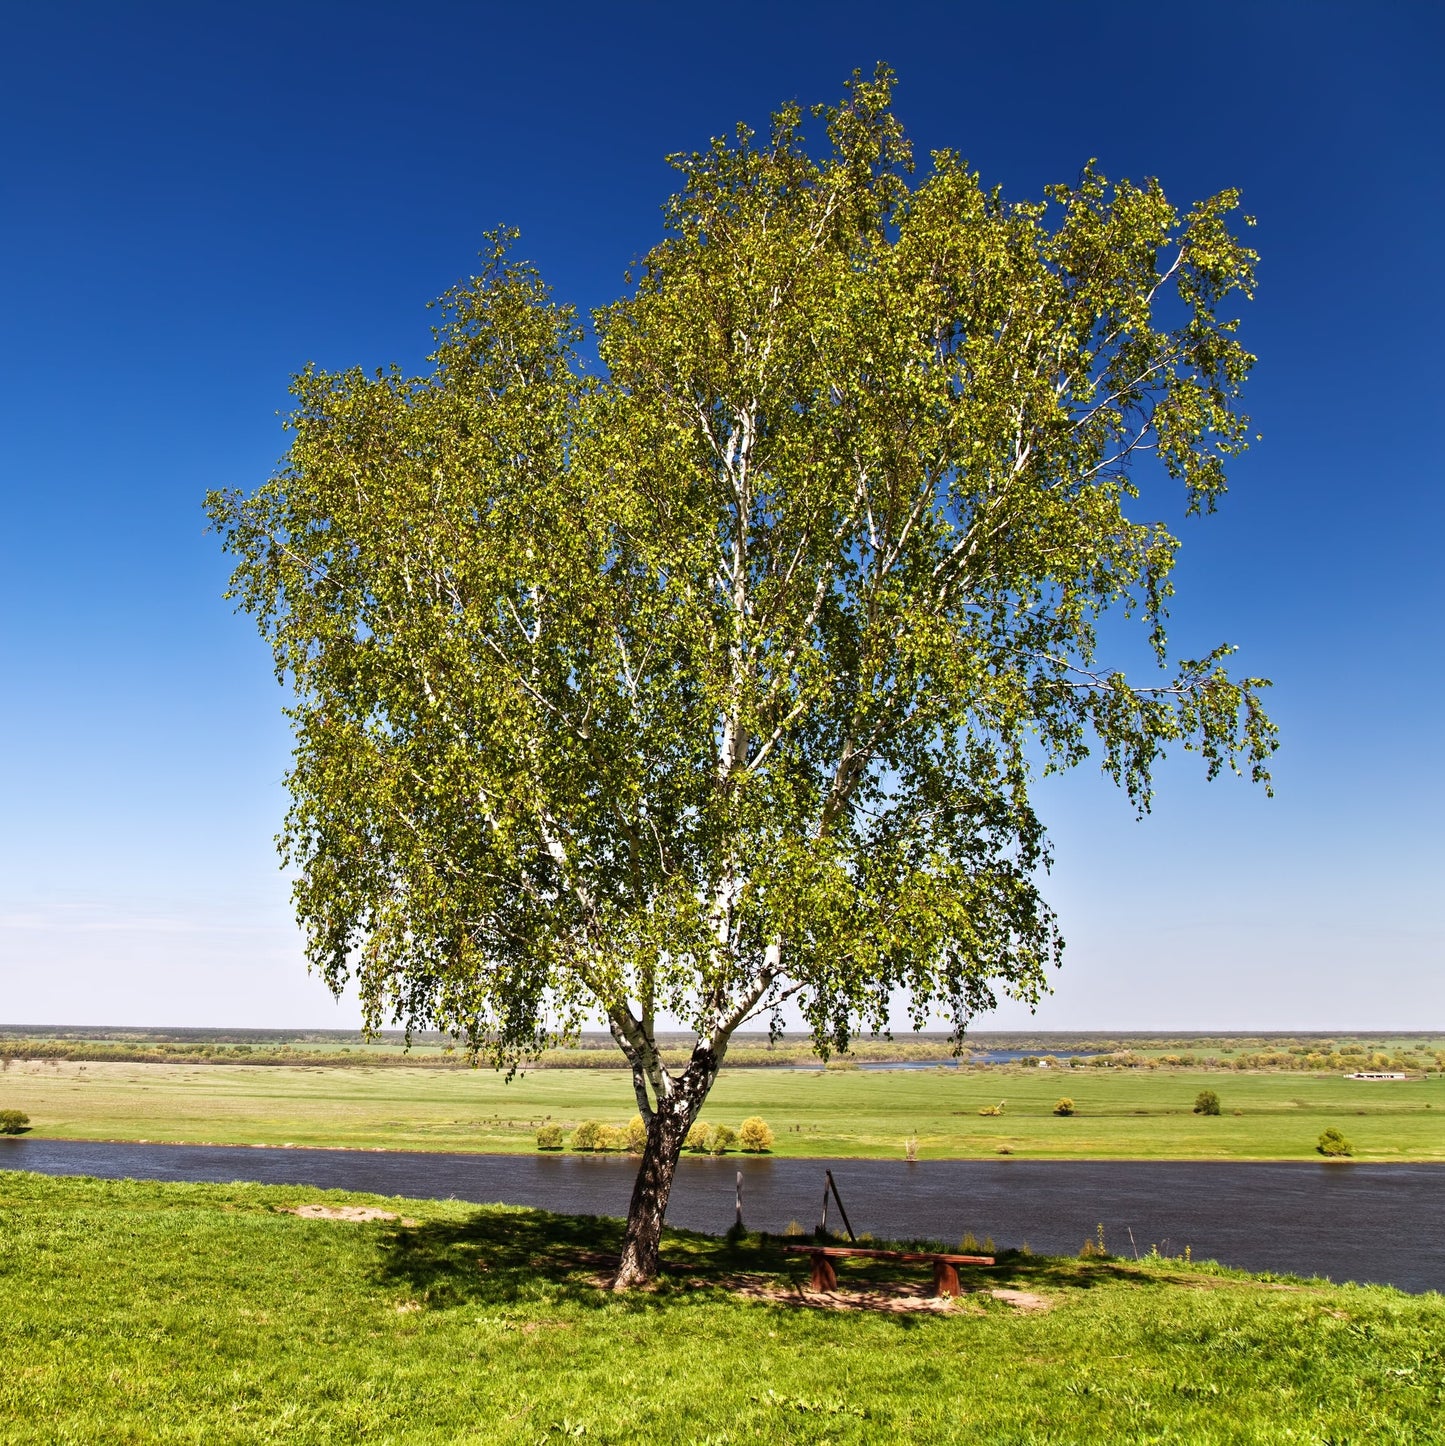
668 1129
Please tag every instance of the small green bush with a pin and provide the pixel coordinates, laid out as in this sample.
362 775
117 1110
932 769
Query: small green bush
588 1136
724 1138
992 1109
1065 1106
549 1137
1206 1102
1334 1144
754 1136
636 1135
699 1138
12 1122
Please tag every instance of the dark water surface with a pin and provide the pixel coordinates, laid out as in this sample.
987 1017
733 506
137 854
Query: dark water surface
1381 1223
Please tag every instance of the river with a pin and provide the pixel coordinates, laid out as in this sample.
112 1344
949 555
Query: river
1347 1221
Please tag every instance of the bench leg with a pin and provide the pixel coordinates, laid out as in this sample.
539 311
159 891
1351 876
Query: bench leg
945 1278
825 1278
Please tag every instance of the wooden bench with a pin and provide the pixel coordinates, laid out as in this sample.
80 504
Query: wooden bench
945 1267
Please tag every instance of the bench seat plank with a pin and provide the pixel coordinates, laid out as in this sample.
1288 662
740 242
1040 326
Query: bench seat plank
945 1265
904 1255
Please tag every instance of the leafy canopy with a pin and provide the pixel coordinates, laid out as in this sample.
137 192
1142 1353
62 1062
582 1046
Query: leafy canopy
719 675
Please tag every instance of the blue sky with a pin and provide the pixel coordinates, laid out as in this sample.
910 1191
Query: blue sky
196 200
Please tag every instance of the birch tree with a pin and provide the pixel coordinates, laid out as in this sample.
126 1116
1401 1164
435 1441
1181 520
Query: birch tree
715 680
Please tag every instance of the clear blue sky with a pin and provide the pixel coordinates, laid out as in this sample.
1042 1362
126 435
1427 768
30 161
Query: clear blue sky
195 200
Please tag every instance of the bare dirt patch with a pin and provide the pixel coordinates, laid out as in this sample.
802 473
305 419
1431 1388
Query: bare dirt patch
898 1298
887 1299
892 1299
357 1214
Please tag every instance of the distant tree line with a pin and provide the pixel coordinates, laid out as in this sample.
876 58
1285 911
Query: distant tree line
95 1051
1345 1059
1328 1056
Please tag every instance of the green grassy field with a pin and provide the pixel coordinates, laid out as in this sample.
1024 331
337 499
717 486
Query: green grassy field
1121 1114
135 1312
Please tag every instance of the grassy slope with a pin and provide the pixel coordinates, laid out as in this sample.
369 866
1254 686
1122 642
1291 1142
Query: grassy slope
1121 1114
178 1313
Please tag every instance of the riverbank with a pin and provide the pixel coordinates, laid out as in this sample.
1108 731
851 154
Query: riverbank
1119 1114
228 1319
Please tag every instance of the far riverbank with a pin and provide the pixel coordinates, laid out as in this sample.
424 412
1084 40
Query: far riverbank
1118 1114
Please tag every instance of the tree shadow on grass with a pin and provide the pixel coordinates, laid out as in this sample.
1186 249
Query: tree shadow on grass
492 1255
1065 1272
500 1258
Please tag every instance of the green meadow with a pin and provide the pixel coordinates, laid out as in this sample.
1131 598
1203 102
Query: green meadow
136 1312
1119 1113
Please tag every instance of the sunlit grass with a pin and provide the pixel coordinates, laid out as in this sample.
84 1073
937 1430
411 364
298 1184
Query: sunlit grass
134 1312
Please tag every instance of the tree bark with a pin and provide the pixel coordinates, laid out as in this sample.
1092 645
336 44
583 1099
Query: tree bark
671 1120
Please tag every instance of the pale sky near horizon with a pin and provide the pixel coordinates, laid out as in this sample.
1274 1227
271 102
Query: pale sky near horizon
194 202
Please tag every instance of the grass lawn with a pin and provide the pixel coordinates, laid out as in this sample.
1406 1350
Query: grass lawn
136 1312
1121 1114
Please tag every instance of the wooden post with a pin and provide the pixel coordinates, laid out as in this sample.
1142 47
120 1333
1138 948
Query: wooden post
841 1210
823 1223
825 1278
740 1199
945 1278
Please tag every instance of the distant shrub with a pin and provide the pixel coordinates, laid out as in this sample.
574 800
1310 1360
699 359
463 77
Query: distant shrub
636 1135
794 1228
612 1137
1095 1249
993 1109
910 1147
699 1138
1206 1102
724 1138
12 1122
754 1135
1004 1150
972 1245
1065 1106
1334 1144
588 1136
549 1137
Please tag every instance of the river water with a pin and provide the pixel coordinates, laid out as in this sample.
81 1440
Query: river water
1379 1223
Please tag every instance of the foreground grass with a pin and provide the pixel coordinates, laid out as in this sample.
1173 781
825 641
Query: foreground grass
134 1312
1122 1114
